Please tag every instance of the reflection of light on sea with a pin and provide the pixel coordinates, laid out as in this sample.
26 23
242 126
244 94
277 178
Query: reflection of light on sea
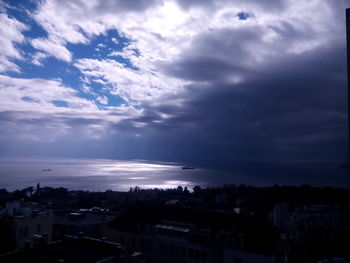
132 167
95 174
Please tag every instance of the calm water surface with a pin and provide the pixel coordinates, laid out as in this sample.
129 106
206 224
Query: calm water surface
95 174
102 174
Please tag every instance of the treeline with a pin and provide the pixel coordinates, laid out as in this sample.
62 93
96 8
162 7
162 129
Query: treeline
248 197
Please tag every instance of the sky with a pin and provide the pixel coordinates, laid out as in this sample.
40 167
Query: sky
213 82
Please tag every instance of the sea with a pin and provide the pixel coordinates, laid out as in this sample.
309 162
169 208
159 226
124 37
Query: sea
120 175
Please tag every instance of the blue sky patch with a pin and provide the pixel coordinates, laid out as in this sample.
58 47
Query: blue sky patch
100 46
29 99
60 103
243 15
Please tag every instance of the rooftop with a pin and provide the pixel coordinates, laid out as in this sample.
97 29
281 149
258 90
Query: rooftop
173 228
70 250
79 219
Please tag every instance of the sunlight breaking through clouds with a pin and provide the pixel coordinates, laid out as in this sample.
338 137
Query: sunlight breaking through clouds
207 81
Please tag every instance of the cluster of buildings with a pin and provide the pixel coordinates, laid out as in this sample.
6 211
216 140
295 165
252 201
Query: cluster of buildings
290 216
193 235
25 223
31 233
312 230
168 227
74 249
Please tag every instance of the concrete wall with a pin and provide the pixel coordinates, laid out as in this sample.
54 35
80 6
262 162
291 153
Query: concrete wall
22 228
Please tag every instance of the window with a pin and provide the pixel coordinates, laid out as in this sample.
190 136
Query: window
203 256
38 229
197 254
23 232
146 245
162 247
237 260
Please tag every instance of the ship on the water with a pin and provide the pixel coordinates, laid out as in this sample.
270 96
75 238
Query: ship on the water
188 167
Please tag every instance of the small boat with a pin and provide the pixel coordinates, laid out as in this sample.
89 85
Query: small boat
46 170
188 167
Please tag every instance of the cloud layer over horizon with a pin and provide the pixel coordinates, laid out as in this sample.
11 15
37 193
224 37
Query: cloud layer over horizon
212 83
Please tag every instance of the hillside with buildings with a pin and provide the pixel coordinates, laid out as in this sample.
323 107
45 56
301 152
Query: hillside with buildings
221 224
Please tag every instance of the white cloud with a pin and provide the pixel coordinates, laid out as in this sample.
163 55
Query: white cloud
38 57
134 86
10 34
32 103
40 94
7 65
52 48
159 34
162 33
102 99
54 18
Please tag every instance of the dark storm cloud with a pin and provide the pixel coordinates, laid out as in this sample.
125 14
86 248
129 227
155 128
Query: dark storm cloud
293 108
258 93
222 54
216 56
202 68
